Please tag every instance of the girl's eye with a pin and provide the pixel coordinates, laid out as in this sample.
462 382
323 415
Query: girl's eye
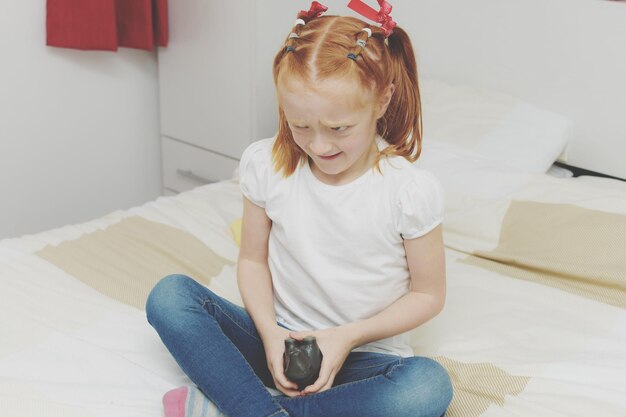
340 128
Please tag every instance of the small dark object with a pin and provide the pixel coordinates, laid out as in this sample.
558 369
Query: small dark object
302 361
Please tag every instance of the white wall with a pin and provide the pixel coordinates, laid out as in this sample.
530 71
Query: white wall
567 56
79 132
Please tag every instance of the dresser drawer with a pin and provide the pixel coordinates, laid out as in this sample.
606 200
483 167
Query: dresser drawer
186 166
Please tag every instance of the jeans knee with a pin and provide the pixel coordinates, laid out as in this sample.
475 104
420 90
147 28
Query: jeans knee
441 384
164 295
427 388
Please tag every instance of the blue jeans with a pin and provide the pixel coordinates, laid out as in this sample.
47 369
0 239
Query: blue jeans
216 344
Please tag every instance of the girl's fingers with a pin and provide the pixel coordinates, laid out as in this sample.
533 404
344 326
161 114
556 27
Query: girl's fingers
298 335
282 380
288 392
284 385
279 376
328 385
322 381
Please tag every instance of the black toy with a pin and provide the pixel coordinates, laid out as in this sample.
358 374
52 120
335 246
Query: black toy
302 361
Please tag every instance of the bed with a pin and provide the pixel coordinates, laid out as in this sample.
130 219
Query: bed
534 324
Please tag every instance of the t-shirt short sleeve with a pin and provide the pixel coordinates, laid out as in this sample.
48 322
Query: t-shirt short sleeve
253 172
419 205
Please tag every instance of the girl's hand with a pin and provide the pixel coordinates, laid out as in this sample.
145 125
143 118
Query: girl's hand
274 344
335 345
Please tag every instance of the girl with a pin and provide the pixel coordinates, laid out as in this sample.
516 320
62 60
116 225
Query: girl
341 240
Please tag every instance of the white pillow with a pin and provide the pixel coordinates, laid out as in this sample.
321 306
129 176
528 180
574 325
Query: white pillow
467 175
498 126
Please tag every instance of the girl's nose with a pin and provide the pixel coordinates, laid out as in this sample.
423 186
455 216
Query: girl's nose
319 146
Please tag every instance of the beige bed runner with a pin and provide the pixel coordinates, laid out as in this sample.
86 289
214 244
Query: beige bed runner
476 386
572 248
125 260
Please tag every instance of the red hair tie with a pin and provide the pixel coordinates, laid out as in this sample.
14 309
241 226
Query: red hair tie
314 11
381 16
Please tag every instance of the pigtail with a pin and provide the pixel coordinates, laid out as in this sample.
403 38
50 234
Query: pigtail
361 42
290 43
401 125
286 155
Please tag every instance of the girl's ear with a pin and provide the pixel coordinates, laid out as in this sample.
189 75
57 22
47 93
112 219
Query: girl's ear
385 99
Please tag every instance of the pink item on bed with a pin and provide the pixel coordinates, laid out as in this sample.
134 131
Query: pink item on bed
174 402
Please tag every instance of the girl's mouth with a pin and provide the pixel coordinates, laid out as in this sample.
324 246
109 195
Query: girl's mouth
328 158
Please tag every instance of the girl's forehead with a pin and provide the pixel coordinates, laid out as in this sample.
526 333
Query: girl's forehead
338 95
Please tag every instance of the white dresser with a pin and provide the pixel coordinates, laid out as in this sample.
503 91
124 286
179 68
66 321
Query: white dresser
216 88
206 91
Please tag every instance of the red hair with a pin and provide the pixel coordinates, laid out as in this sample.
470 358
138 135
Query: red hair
320 51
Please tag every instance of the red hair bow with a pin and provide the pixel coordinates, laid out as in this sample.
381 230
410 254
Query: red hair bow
314 11
381 16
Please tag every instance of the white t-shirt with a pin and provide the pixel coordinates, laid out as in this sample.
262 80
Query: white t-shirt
336 253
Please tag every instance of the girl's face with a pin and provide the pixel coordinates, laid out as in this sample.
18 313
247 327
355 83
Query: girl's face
334 125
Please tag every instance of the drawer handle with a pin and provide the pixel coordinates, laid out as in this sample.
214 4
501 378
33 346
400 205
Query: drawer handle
192 176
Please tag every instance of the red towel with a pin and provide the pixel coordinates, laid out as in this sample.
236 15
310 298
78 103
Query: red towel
107 24
82 24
